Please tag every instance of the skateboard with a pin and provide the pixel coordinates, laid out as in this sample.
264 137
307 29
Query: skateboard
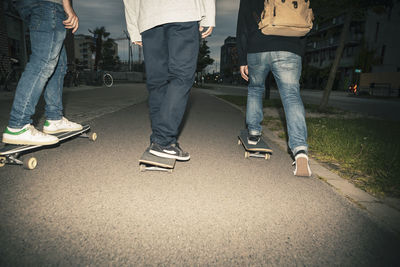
10 154
261 150
150 162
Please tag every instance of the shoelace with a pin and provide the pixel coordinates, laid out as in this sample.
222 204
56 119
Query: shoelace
35 132
64 121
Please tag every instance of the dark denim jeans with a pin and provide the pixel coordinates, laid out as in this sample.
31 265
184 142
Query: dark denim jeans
286 68
170 54
47 64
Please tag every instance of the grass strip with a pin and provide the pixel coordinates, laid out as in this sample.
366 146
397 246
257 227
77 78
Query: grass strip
365 151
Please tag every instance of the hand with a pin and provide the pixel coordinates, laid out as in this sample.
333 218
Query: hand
244 71
72 21
206 33
139 43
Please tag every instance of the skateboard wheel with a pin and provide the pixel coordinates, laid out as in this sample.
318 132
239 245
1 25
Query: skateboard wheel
239 142
142 167
2 161
30 163
93 137
246 154
267 156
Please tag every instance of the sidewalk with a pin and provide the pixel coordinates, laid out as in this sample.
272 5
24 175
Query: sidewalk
88 203
84 103
387 211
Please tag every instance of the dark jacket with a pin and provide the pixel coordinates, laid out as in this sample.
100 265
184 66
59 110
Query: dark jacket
249 38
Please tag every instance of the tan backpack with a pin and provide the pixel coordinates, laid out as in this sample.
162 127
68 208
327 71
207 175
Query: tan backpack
286 17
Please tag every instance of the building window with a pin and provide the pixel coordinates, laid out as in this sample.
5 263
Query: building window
383 53
332 53
377 31
315 57
349 51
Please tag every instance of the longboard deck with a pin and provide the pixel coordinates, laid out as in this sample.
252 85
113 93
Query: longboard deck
261 150
9 153
11 149
150 162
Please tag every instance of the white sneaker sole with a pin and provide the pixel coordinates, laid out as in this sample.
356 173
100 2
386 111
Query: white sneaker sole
302 168
168 156
252 142
28 142
62 130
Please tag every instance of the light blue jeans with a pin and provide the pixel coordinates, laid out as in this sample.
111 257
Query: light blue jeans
47 64
286 68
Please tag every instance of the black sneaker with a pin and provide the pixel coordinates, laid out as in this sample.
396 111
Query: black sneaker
172 151
253 139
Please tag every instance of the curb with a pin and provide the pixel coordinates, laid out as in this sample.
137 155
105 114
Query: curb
385 214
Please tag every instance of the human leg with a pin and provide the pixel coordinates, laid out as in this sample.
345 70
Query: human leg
55 122
155 52
286 68
54 89
178 44
258 70
183 47
47 35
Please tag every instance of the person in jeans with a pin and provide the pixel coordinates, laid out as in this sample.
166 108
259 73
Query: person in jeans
169 33
47 21
260 54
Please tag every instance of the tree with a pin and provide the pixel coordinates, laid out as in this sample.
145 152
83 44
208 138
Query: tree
110 61
99 35
353 8
203 59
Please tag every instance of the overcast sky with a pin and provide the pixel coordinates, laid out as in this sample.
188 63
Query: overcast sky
110 14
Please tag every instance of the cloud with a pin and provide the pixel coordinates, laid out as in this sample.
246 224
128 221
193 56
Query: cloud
225 25
97 13
227 7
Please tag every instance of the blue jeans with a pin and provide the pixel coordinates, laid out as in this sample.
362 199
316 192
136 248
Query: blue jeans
47 64
286 68
170 54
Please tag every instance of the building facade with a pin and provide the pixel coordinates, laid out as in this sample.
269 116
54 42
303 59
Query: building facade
371 47
13 36
85 52
229 62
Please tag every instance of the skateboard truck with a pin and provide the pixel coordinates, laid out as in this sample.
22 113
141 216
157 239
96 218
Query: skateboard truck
10 154
150 162
29 163
261 150
147 167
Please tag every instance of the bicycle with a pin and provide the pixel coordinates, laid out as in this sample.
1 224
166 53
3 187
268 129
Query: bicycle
101 77
71 79
10 78
108 79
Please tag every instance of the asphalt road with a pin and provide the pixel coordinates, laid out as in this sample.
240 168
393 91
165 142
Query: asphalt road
388 108
87 203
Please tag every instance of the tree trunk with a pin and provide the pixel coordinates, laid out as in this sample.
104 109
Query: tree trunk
98 52
338 56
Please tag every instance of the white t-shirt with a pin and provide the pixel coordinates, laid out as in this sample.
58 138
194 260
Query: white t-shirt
142 15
